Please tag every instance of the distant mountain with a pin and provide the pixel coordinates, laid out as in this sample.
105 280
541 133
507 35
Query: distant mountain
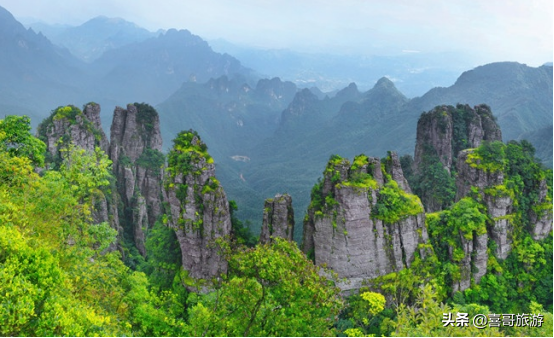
229 113
232 118
48 30
542 140
383 118
151 70
520 96
96 36
33 71
413 73
289 157
37 76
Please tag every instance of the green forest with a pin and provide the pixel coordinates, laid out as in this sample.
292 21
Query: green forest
61 276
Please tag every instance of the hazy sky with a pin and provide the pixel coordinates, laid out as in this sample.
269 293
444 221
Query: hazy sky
492 30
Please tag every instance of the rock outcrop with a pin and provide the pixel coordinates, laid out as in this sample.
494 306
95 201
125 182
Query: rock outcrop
441 134
446 130
69 125
199 211
474 263
278 219
499 200
135 150
353 224
541 216
499 205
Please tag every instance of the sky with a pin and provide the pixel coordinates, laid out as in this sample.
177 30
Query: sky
490 30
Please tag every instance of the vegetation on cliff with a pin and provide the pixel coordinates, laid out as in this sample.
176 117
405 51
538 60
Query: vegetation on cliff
59 277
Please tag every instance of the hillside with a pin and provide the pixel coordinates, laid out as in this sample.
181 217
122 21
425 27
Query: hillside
130 65
34 71
91 39
382 118
153 69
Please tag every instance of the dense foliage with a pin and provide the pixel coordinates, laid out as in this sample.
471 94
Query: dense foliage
271 290
16 139
187 149
59 274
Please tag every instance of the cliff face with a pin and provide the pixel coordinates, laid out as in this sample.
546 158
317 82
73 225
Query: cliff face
441 134
353 224
474 263
135 150
541 217
499 206
69 124
278 219
446 130
83 129
198 207
499 194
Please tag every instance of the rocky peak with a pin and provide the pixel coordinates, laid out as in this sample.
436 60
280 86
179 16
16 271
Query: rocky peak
198 207
382 100
303 104
349 93
442 134
392 165
446 130
354 227
486 175
499 206
91 111
135 150
71 125
133 130
277 92
487 188
278 219
83 129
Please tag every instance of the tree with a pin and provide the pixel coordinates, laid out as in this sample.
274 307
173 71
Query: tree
362 313
271 290
425 319
17 140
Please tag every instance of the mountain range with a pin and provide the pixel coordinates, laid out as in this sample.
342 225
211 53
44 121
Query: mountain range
292 145
267 135
413 72
136 65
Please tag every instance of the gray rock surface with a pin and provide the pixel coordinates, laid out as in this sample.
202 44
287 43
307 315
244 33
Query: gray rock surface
85 131
501 211
434 134
499 208
346 237
474 263
278 218
199 213
393 165
445 131
133 133
541 223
